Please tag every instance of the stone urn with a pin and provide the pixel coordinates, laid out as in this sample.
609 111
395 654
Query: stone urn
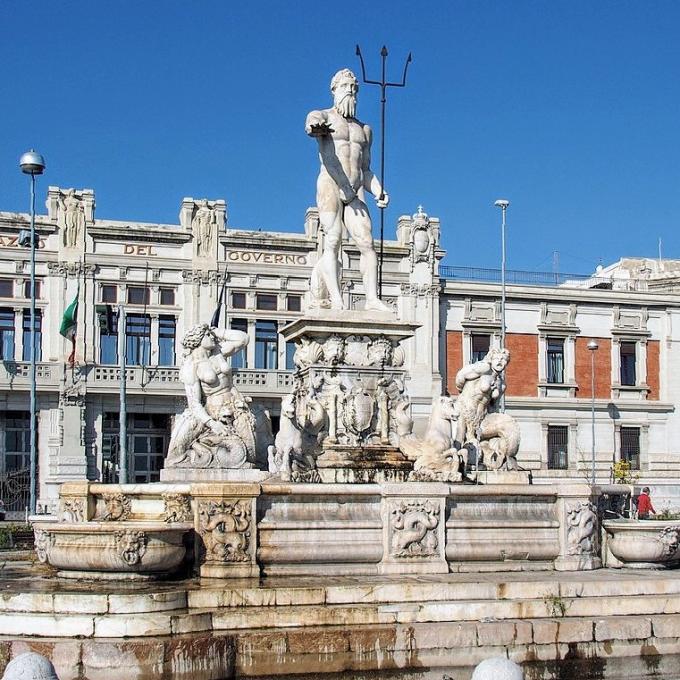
642 544
111 550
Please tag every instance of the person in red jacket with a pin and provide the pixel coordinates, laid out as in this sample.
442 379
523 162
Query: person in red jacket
644 504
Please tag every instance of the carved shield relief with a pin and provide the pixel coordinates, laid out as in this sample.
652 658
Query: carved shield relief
359 410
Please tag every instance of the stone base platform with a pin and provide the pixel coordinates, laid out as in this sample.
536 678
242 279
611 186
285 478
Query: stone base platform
606 623
362 465
187 474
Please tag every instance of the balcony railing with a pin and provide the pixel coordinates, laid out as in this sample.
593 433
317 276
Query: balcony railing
527 278
17 375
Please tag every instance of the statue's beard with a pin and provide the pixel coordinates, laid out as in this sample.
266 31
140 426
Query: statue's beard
347 106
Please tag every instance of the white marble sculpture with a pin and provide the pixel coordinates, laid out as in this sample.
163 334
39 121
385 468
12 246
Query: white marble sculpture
435 456
344 177
494 437
30 666
71 218
204 228
217 429
498 668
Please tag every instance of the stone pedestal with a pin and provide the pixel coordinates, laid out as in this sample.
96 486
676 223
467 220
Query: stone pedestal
502 476
414 528
366 464
226 529
349 397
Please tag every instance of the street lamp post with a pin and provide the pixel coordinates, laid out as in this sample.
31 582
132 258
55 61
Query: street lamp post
503 205
32 163
592 347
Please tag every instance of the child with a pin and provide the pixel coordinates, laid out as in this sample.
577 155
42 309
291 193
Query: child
644 504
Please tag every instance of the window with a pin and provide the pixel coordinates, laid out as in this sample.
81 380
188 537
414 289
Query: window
630 446
290 353
109 293
627 354
238 300
6 334
17 440
27 335
555 354
266 302
294 303
166 340
239 360
108 342
480 346
138 339
167 296
38 289
137 295
6 288
558 441
147 442
266 341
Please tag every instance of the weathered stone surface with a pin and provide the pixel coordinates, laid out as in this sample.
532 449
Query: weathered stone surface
316 641
495 633
101 659
142 625
623 628
666 626
146 602
80 603
46 625
577 630
544 632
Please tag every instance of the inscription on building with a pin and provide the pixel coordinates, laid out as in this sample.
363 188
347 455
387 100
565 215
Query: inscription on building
13 242
266 258
132 249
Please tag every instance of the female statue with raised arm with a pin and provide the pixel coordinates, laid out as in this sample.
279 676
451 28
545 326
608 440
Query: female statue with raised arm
217 429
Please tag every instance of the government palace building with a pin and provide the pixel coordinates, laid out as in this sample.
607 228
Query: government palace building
152 282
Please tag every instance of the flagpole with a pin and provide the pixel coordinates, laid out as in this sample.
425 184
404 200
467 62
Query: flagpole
122 415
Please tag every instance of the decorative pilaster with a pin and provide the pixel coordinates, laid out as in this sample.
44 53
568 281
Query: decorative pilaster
226 529
579 530
414 528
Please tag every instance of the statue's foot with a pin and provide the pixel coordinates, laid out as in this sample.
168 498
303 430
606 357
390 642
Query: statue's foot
376 305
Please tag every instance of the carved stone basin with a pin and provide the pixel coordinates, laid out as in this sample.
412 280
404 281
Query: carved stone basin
643 544
111 550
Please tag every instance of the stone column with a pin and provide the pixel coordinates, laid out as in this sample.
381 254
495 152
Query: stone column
414 528
579 531
226 529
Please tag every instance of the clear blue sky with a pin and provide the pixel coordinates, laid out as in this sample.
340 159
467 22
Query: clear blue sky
568 108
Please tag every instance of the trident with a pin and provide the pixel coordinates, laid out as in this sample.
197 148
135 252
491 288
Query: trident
383 100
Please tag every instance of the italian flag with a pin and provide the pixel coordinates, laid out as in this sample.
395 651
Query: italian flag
69 325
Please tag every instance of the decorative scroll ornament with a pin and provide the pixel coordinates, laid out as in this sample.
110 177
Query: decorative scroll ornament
72 510
225 529
117 507
43 542
131 545
414 525
581 528
177 507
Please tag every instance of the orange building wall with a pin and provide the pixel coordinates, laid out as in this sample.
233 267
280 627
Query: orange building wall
522 372
454 358
603 368
653 369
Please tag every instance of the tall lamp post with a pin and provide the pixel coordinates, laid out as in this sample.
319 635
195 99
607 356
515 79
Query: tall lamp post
592 347
32 163
503 205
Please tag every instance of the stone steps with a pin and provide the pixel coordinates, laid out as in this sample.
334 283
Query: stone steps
170 620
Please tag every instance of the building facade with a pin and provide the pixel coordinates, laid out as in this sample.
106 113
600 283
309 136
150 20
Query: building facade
142 286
